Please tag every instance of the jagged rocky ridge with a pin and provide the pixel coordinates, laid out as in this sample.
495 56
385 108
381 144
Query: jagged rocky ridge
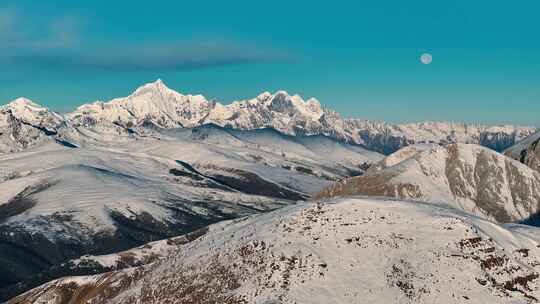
318 253
154 105
469 177
527 151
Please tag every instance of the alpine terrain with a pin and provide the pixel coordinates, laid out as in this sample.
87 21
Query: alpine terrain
469 177
160 196
527 151
62 200
154 105
350 250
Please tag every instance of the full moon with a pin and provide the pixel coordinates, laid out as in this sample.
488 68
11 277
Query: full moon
426 58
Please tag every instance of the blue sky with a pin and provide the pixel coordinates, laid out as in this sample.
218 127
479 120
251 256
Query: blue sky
358 57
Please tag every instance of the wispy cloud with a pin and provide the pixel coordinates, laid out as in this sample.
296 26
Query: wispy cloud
57 44
159 56
23 33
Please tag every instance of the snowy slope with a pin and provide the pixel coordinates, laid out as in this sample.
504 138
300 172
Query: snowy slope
62 203
94 264
468 177
350 250
299 150
401 155
527 151
58 202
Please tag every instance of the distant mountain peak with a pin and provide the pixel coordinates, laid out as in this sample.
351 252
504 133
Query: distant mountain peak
264 96
23 102
31 112
281 94
156 86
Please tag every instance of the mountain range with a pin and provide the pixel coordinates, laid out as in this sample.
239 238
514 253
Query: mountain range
154 105
160 196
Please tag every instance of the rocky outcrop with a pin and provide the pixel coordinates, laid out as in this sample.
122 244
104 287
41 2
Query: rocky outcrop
527 151
468 177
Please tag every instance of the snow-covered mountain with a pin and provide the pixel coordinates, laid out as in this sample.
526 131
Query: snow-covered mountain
347 251
527 151
154 105
24 124
78 190
467 177
387 138
58 202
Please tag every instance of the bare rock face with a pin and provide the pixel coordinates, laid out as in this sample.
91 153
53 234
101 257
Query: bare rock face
527 151
468 177
346 251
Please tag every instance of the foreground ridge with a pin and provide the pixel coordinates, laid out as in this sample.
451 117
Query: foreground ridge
318 253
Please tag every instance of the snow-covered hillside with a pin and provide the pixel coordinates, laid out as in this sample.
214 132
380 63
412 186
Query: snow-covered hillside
350 250
468 177
78 190
527 151
95 264
58 202
154 106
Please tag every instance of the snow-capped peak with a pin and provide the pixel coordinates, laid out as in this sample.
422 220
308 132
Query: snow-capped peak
282 101
23 105
156 86
22 102
32 113
264 96
281 94
153 102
